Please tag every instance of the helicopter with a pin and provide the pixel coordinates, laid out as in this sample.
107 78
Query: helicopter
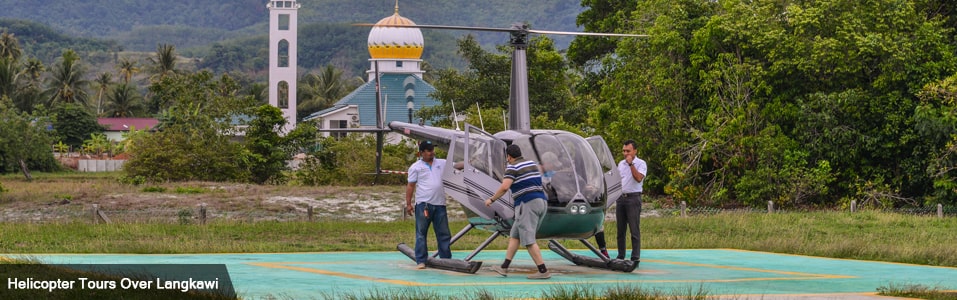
584 184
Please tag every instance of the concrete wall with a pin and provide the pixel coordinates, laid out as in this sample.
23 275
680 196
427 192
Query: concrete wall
90 165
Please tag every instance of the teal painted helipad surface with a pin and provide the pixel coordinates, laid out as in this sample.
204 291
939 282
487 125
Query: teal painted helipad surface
715 271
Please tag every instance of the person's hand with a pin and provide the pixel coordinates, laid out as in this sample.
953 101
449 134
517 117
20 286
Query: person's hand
410 209
488 202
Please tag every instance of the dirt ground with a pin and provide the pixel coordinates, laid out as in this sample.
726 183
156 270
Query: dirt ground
71 200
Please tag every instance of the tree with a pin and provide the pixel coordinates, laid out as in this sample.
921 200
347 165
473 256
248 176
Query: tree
127 69
124 101
103 83
10 46
805 103
600 16
73 124
163 66
319 91
266 151
66 83
487 82
193 137
24 141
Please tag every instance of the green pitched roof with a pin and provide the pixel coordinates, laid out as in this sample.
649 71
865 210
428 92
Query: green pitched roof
397 90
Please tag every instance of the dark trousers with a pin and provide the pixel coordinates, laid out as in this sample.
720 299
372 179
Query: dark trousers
438 218
628 215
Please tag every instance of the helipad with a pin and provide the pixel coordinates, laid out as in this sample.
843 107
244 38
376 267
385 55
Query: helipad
741 274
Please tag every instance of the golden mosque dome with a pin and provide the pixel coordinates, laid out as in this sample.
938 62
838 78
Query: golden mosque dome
387 42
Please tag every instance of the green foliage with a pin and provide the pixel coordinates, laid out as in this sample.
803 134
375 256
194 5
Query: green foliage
73 124
802 103
24 138
266 151
486 83
191 144
44 42
351 161
67 82
97 144
181 153
124 101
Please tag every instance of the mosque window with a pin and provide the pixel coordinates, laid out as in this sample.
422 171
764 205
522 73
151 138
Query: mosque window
283 54
283 101
284 22
398 64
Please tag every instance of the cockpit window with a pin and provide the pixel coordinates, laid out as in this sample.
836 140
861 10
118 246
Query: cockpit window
569 168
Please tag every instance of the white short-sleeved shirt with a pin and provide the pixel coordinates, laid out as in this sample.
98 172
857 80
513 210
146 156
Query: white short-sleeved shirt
628 182
428 181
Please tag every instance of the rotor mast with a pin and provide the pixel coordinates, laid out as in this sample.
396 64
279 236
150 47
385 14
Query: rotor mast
519 118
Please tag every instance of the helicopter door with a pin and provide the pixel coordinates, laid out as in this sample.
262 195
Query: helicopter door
609 167
453 179
484 170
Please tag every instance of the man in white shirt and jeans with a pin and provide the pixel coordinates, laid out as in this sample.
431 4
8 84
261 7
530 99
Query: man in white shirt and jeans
425 184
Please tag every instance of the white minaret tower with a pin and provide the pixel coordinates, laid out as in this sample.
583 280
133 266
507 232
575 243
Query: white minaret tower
282 58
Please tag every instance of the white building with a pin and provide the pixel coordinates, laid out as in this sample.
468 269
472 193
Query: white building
283 62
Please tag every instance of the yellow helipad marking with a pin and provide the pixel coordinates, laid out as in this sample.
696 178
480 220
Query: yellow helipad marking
792 275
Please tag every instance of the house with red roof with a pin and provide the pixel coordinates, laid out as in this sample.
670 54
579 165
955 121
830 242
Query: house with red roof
116 127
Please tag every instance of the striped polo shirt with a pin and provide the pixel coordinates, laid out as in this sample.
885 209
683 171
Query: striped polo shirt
526 181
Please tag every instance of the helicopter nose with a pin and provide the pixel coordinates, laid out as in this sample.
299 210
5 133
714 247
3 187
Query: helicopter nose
578 207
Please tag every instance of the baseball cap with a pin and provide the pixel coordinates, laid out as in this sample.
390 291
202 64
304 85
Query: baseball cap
426 145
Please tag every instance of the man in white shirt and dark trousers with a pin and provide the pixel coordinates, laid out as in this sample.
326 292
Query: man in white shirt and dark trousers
628 210
425 186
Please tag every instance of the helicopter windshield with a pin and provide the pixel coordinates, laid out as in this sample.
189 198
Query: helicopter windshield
570 168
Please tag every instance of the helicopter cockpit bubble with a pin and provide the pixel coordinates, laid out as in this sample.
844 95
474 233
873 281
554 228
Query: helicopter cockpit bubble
568 168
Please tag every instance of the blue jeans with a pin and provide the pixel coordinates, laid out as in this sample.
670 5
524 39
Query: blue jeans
439 219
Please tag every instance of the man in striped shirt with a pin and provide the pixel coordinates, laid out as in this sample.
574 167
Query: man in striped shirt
524 180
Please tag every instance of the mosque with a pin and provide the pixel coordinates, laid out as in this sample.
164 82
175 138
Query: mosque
396 58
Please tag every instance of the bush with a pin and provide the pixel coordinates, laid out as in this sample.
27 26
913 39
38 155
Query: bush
351 161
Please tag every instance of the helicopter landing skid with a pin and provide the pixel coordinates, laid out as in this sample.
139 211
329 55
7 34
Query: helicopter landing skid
602 262
450 264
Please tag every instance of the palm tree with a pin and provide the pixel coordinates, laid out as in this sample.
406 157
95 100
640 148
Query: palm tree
9 75
322 90
10 46
164 64
66 83
103 83
34 69
127 68
29 92
124 101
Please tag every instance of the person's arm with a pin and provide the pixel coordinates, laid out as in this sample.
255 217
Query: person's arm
501 191
409 192
634 172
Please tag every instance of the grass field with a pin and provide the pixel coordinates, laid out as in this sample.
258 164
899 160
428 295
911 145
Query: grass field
867 235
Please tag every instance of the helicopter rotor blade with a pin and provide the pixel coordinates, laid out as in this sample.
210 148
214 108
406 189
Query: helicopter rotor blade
497 29
585 33
438 27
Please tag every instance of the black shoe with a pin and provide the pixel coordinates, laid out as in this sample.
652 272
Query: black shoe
635 259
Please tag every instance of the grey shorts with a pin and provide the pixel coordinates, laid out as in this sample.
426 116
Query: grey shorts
528 216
